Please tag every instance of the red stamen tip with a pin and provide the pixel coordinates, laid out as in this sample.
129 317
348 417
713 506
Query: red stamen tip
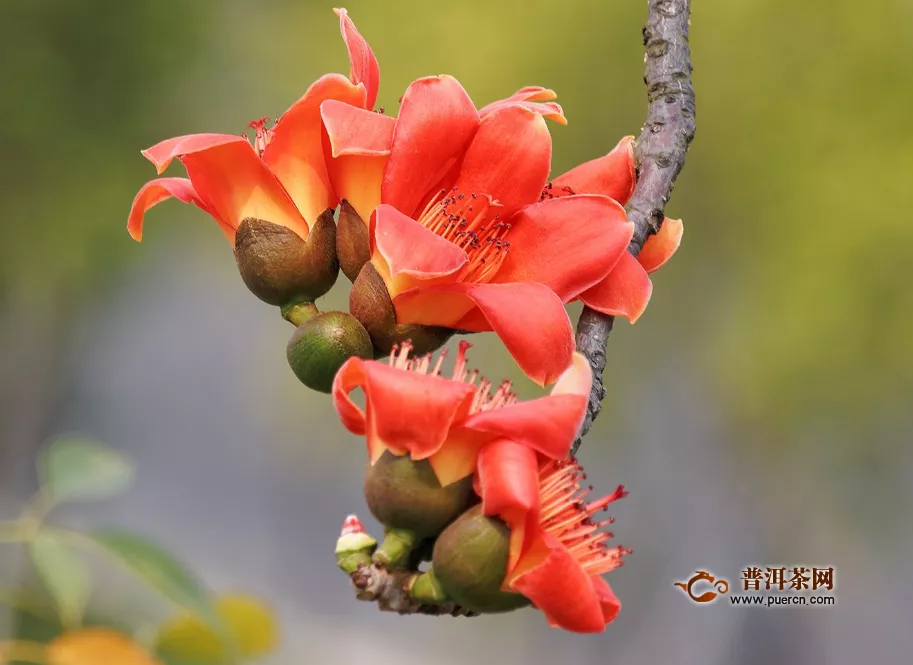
262 135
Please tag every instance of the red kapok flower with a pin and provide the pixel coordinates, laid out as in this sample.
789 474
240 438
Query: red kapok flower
558 553
282 179
411 409
457 231
627 288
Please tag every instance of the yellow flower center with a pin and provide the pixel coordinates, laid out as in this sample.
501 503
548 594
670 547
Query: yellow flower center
469 222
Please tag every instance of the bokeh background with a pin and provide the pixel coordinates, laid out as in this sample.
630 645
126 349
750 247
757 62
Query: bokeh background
760 412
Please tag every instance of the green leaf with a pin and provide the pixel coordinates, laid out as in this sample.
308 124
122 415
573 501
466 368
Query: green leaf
64 575
28 626
76 469
159 569
30 602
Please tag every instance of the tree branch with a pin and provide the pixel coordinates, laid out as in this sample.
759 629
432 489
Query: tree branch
659 153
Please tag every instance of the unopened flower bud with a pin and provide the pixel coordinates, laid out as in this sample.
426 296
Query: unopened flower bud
405 494
279 267
470 563
320 346
354 547
353 242
370 303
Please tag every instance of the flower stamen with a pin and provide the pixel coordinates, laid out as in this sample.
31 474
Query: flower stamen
470 223
262 134
566 515
552 192
483 400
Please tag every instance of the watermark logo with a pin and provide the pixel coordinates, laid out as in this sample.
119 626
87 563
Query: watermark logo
700 576
774 586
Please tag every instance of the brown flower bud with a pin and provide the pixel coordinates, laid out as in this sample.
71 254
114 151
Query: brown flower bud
353 242
279 267
470 563
320 346
370 303
404 494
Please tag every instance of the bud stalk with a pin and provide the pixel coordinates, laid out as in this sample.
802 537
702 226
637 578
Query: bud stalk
396 549
425 588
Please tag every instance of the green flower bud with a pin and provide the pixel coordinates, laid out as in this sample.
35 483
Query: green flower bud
370 303
405 495
470 563
353 242
279 267
354 547
320 346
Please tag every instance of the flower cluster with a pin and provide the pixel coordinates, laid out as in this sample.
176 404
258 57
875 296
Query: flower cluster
446 219
461 466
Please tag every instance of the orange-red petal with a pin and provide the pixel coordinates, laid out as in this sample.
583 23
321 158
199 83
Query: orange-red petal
509 159
577 379
158 190
609 602
408 412
611 175
295 150
535 98
164 152
358 143
624 292
508 479
532 93
231 178
568 243
547 425
363 67
407 254
508 482
356 131
552 579
528 317
349 377
436 121
660 247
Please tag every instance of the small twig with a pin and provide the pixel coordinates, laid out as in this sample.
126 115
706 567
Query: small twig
388 588
393 589
659 153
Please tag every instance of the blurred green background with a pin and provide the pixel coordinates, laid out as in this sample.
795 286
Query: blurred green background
759 412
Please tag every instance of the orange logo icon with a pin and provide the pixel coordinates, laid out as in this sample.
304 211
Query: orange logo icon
721 585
